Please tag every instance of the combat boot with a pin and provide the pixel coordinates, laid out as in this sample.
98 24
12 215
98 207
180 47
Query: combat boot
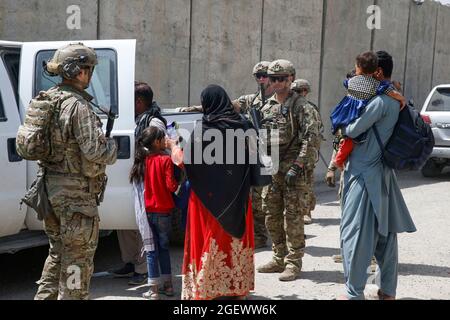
271 267
289 274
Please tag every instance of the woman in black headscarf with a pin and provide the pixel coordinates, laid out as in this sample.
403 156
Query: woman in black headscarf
218 256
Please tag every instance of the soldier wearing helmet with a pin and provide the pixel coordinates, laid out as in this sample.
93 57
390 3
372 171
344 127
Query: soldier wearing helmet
257 99
301 86
292 127
75 184
75 63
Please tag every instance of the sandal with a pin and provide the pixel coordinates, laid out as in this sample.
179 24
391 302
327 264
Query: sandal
383 296
167 289
152 294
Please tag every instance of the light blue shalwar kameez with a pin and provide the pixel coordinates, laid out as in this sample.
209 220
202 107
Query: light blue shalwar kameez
373 209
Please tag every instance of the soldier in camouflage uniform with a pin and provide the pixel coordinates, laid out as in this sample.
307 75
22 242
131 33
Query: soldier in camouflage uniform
303 88
244 105
285 202
245 102
75 183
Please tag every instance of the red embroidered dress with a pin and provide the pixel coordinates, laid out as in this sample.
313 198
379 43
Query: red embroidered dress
215 264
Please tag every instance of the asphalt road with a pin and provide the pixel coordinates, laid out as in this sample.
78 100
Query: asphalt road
424 270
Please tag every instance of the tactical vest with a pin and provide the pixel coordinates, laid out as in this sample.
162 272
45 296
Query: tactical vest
71 160
282 118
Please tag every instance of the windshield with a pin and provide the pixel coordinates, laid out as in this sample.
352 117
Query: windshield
440 101
103 86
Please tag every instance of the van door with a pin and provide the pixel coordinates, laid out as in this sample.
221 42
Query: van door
12 167
112 87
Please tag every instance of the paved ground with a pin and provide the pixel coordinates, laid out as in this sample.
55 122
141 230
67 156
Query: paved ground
424 271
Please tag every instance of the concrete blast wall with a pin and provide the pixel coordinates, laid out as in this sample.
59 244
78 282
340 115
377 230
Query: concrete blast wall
184 45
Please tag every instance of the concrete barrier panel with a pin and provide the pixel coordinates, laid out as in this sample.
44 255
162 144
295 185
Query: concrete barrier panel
292 30
392 37
441 73
226 41
346 36
162 32
422 28
46 20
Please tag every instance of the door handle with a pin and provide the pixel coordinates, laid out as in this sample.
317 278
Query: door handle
123 147
12 153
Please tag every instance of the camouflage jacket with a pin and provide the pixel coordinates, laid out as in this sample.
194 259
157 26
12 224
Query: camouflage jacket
247 101
86 151
296 115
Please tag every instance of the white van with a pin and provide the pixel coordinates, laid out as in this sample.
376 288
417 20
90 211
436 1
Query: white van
21 78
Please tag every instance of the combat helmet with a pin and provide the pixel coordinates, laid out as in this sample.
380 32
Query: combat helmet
70 59
261 67
300 84
281 68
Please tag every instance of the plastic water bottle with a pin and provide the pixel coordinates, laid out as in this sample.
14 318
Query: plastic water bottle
172 131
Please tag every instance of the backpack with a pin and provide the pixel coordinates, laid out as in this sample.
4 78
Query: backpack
411 143
34 140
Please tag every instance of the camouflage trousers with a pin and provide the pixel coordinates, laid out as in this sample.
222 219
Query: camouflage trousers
311 194
258 216
73 239
284 207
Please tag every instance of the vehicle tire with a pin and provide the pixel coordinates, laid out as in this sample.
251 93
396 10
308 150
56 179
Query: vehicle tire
431 169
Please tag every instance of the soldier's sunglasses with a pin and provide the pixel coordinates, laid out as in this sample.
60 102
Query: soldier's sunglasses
260 75
278 78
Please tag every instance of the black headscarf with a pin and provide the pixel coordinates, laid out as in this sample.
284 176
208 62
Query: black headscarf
222 188
144 119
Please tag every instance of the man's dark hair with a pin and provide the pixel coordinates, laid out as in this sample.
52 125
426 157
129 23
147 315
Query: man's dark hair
386 63
144 91
368 62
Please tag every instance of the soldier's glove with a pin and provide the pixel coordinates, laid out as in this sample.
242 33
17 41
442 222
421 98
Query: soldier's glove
330 178
292 174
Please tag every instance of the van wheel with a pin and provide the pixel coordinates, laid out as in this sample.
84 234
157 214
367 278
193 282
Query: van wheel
431 169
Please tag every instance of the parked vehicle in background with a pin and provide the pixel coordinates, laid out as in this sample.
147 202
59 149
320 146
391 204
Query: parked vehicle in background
436 112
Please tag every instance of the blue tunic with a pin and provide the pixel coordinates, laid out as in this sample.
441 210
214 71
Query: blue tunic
366 175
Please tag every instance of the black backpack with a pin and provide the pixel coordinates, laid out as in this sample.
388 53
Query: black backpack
411 142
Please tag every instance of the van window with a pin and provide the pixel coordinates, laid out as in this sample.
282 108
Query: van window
2 111
103 85
12 60
440 101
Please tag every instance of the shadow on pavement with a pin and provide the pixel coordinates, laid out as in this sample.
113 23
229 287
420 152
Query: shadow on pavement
278 297
321 251
323 276
325 222
423 270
